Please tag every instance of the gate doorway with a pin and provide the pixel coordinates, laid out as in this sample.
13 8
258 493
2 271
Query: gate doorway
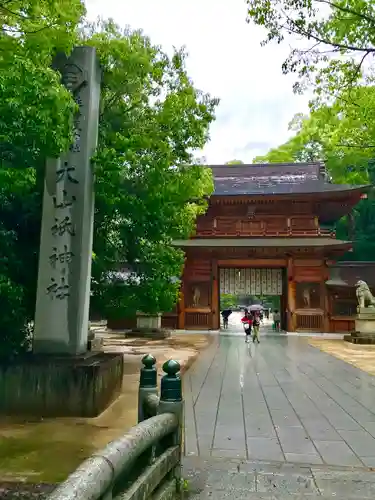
241 287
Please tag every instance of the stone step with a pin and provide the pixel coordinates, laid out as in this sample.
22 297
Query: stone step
234 479
360 339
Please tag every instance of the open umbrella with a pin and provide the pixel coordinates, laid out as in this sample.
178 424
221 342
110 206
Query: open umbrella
256 307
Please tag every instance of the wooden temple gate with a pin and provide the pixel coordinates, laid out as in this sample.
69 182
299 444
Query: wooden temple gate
268 229
299 283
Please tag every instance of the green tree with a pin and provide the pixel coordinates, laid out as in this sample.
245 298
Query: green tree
234 162
149 190
228 301
341 135
35 109
338 38
35 122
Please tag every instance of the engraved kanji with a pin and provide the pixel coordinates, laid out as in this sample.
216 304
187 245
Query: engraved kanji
63 226
66 173
78 100
64 257
66 202
76 145
59 290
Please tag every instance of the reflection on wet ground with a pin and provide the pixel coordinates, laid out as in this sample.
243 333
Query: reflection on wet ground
283 401
49 449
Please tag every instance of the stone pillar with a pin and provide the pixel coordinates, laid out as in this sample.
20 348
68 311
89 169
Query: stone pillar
148 321
62 306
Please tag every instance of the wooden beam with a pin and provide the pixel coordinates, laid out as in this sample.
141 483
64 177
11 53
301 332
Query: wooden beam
252 262
202 310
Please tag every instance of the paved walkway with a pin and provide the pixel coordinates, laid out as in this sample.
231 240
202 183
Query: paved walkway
281 401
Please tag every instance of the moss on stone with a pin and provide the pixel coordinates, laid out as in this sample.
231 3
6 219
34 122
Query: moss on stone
36 458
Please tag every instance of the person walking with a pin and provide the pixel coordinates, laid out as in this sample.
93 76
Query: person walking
247 322
256 326
225 315
276 320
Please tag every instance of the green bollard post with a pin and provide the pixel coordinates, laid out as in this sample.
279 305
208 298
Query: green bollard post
171 401
147 384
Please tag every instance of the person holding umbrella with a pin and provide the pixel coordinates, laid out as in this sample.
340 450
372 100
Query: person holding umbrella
256 326
247 322
225 315
256 310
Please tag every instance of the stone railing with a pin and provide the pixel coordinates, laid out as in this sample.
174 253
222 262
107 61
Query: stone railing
146 461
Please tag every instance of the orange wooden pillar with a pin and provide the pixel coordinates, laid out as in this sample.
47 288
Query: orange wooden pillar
325 299
181 308
291 306
215 306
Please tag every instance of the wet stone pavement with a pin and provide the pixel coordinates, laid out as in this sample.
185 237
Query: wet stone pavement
278 420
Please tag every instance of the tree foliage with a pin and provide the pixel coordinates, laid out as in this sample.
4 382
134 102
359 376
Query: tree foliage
335 38
147 183
35 109
341 135
35 122
149 189
228 301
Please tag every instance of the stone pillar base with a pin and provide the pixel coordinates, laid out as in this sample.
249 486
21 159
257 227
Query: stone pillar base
147 333
364 327
149 326
148 321
60 386
94 343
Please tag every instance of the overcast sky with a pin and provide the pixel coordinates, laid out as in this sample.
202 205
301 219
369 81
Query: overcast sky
226 60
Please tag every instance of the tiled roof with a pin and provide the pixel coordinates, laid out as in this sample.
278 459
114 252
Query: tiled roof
273 178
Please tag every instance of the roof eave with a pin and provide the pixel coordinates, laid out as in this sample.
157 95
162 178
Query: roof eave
266 241
346 189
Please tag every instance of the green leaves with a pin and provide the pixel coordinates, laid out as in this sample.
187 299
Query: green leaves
334 38
35 113
341 134
148 189
39 28
35 122
35 109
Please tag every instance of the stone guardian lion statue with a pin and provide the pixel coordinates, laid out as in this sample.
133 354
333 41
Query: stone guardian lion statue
364 295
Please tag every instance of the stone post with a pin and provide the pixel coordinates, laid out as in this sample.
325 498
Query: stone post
171 401
63 294
147 384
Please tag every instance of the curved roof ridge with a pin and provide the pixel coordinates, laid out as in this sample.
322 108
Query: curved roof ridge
278 164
